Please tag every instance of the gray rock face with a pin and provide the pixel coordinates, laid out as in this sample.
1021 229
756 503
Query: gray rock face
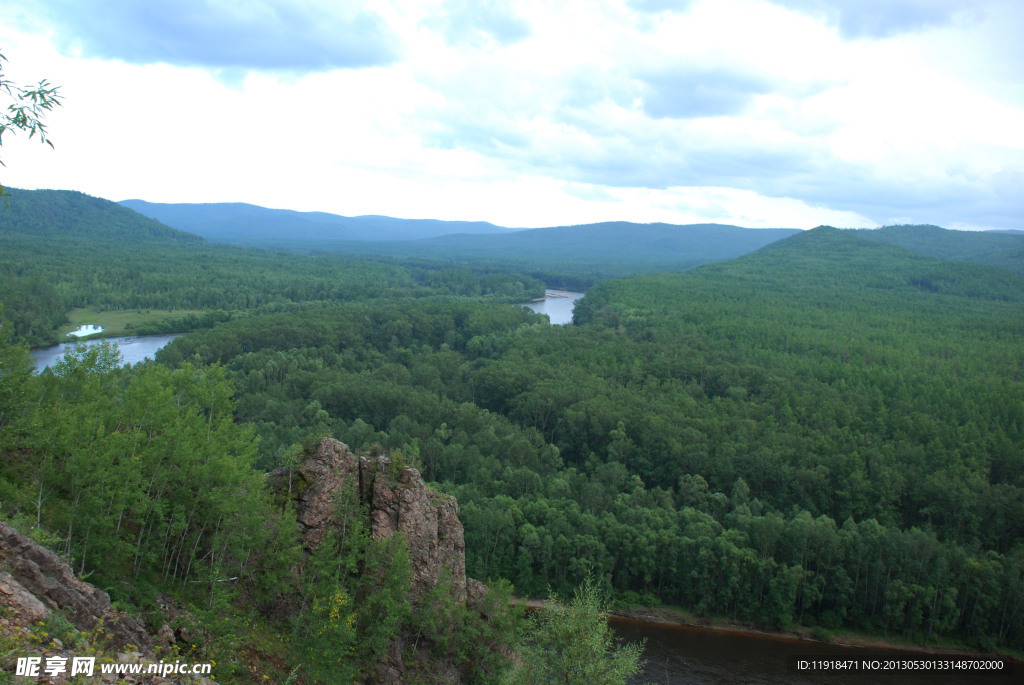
397 500
37 579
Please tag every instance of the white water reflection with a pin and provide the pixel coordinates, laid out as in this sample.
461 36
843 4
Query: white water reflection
557 304
86 330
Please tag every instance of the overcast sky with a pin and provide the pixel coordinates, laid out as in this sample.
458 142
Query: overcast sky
781 113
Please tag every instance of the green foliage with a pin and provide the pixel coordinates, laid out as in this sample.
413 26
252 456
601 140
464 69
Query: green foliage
738 440
1005 250
382 592
572 643
56 626
485 633
15 372
354 593
145 475
326 628
473 637
332 627
26 109
825 433
62 250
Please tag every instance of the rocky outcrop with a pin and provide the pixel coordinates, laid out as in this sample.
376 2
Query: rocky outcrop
35 582
396 499
19 602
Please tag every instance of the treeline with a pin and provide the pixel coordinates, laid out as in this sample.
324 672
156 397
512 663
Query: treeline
1005 250
804 436
61 250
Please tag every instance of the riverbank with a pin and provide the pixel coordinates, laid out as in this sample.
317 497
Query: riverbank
677 619
671 618
556 304
133 349
122 322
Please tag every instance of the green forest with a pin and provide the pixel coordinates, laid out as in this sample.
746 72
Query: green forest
573 257
823 434
62 250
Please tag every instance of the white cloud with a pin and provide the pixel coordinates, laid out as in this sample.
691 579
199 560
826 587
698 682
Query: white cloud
479 22
275 35
528 114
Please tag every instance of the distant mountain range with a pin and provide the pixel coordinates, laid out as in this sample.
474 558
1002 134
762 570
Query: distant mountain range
245 224
590 252
599 250
603 250
596 251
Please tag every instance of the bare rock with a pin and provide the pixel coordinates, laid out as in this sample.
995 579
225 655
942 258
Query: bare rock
50 580
392 669
183 635
21 603
475 592
164 637
401 501
397 499
315 485
394 499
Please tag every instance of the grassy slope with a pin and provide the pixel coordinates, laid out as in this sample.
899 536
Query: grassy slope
122 322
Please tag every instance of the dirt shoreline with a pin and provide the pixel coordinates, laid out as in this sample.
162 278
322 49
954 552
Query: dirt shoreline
673 619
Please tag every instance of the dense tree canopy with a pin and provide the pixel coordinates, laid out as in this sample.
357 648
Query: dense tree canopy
61 250
808 435
824 433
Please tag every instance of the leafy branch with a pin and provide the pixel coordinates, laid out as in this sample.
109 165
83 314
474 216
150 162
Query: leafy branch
27 109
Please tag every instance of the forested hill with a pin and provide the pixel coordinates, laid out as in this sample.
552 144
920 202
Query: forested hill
63 250
826 432
619 247
815 271
69 215
595 251
244 224
1002 249
827 259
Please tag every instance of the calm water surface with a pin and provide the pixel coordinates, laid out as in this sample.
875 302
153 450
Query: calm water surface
557 304
679 655
134 349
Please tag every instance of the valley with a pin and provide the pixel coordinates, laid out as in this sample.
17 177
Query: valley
821 433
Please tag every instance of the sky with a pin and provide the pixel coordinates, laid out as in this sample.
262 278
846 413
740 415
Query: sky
527 113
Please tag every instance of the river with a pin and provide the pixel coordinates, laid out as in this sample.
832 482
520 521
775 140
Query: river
687 655
690 655
134 349
557 304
